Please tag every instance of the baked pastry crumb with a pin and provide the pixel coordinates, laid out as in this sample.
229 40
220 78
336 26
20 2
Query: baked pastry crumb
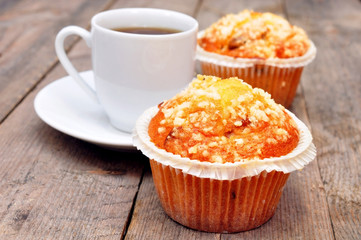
250 34
223 120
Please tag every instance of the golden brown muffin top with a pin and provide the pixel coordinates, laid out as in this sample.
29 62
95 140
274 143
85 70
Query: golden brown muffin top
227 120
251 34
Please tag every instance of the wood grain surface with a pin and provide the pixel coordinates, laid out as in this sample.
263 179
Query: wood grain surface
56 187
28 30
332 92
53 186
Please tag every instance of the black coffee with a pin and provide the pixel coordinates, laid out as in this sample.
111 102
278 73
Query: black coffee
147 30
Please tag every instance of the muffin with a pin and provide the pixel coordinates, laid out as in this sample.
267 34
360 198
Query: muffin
221 153
263 49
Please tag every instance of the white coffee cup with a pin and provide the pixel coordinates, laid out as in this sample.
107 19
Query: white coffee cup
134 71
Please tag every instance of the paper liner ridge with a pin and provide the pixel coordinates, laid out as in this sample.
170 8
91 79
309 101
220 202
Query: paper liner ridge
303 154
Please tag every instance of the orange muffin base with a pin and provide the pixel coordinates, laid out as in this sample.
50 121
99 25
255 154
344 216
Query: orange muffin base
280 82
222 206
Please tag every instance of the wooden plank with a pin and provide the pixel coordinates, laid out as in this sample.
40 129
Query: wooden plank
333 98
28 30
53 186
186 6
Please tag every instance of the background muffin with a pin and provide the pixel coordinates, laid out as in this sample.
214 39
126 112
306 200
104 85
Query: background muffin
263 49
221 152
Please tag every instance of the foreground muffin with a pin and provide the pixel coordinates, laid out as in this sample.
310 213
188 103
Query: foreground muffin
263 49
221 152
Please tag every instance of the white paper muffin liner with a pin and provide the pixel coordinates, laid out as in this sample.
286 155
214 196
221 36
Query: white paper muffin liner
231 62
303 154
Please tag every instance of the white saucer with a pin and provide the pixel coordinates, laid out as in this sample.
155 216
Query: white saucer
64 106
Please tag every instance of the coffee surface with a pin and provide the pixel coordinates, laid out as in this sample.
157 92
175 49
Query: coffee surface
147 30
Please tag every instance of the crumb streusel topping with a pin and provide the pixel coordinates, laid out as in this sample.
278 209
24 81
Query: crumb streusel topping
223 120
251 34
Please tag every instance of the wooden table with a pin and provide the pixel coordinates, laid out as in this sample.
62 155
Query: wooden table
53 186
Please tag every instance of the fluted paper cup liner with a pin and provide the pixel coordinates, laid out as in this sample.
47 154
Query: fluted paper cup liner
216 197
277 76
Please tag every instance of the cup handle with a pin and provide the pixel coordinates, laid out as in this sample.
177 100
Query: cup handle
63 58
